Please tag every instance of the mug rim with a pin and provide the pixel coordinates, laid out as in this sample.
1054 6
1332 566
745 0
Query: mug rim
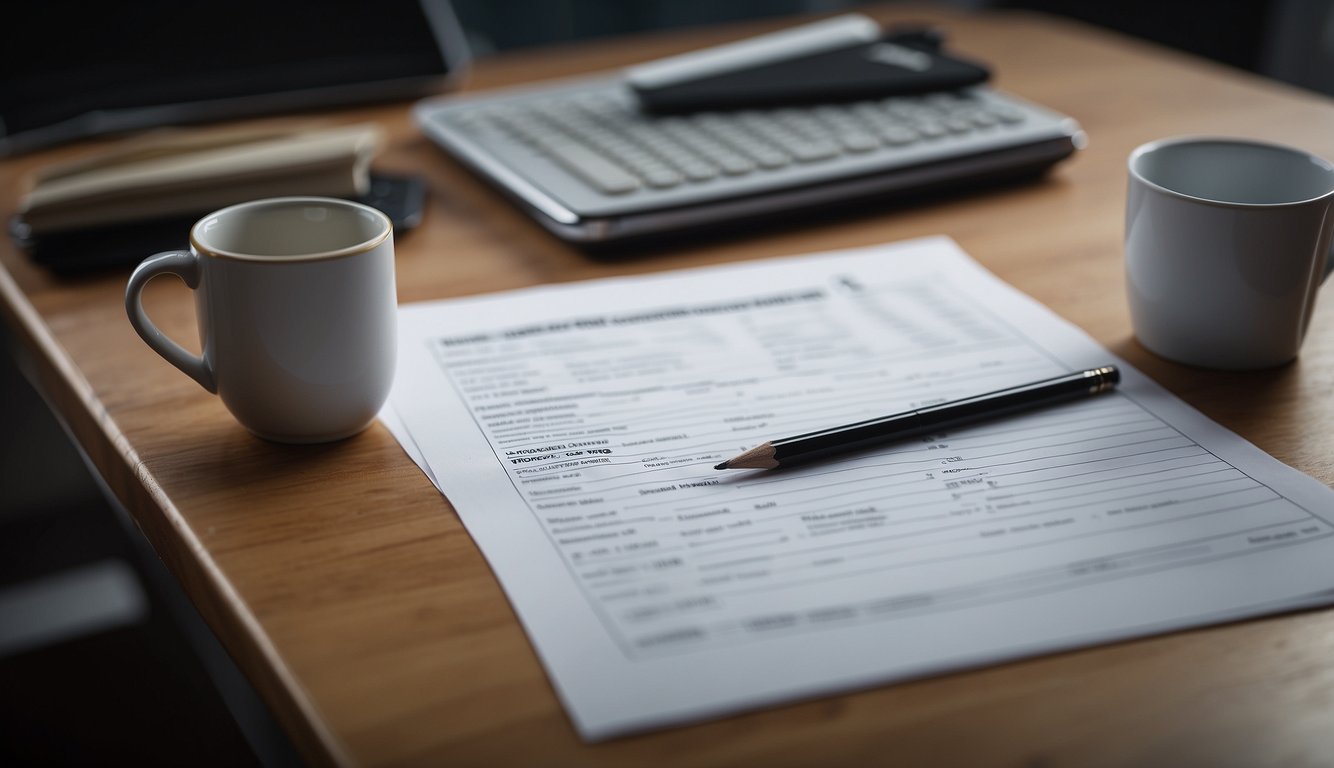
1158 144
387 230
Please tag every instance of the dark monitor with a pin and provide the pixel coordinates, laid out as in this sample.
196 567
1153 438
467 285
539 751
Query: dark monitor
71 68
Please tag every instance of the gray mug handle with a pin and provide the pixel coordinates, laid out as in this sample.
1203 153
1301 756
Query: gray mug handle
184 265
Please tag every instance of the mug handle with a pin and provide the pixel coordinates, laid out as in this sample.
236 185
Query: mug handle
184 265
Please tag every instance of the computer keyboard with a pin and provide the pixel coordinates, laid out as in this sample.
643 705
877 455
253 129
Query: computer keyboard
591 167
615 150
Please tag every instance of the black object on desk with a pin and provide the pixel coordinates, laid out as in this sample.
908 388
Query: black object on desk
812 446
401 198
836 65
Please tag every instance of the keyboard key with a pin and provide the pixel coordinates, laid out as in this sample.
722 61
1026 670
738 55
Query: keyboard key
804 125
1006 114
957 125
639 161
858 141
898 135
812 151
736 165
930 129
588 165
663 178
982 119
696 171
905 109
770 158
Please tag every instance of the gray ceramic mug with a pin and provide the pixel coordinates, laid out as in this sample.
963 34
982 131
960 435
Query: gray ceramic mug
297 310
1227 243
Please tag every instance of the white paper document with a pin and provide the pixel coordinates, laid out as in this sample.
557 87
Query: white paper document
575 429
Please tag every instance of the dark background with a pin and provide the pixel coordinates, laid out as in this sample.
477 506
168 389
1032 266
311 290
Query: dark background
1290 40
125 672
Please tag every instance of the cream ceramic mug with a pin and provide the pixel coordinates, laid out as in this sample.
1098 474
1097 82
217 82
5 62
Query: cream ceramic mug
297 314
1227 244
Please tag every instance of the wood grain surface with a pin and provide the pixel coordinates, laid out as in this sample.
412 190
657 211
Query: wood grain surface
348 591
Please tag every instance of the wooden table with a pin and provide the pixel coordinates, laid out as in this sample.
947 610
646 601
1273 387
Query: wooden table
348 591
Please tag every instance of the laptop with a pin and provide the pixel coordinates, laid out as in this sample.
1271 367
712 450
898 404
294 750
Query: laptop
72 69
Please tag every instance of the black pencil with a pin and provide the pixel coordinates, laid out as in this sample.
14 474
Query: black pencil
863 434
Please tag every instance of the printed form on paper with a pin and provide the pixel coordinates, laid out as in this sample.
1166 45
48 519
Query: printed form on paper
575 427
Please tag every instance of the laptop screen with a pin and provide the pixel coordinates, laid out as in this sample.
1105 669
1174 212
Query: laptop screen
72 68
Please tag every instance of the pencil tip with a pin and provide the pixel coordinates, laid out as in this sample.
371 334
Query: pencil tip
759 457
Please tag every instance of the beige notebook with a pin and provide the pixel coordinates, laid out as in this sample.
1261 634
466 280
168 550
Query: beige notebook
194 171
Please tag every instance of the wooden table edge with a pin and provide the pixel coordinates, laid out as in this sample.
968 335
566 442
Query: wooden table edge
98 438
